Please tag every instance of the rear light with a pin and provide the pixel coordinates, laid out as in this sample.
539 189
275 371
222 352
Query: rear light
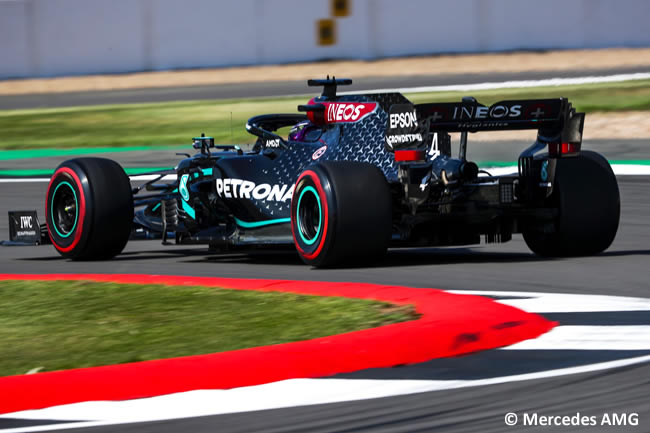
410 155
563 149
506 193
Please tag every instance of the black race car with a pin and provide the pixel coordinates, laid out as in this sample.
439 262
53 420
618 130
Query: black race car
357 174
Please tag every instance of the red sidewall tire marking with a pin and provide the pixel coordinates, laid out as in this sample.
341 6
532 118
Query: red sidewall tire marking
82 211
321 194
449 325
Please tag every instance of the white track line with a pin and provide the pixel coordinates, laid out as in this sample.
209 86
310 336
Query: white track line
513 84
24 180
626 337
536 302
276 395
631 169
619 170
139 177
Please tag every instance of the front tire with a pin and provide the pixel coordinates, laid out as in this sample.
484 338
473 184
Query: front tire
586 195
89 209
341 213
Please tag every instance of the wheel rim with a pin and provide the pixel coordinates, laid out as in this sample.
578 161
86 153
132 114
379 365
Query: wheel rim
309 215
64 209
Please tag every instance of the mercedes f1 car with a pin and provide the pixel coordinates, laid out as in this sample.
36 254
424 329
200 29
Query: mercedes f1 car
357 174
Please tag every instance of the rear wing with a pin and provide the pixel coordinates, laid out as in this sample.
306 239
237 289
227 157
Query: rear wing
555 119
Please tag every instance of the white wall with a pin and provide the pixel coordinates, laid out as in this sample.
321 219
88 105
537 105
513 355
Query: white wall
60 37
191 33
16 52
87 36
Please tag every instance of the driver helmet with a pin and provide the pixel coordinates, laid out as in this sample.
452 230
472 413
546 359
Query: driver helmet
299 130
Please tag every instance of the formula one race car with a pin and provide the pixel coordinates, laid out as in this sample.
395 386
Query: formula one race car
356 174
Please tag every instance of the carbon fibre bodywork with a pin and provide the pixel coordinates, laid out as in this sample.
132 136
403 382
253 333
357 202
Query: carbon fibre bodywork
226 197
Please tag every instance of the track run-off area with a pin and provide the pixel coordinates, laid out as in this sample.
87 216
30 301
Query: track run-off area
449 325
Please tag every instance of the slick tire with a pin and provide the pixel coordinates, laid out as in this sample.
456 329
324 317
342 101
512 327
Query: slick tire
89 209
588 201
341 214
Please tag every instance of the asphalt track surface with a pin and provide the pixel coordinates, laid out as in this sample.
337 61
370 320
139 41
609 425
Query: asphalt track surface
275 89
621 270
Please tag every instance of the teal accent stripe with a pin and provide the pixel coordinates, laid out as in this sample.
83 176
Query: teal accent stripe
49 172
140 170
207 171
155 207
250 225
27 173
630 162
188 209
497 164
48 153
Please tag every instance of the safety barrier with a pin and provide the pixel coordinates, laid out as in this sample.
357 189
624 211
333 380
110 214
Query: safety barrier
63 37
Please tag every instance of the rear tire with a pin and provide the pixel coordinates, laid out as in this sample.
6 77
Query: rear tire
89 209
341 213
587 197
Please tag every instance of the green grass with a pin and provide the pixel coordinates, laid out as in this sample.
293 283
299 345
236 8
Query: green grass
135 124
177 122
61 325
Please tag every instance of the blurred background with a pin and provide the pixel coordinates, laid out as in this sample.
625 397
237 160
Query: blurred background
44 38
116 77
80 76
